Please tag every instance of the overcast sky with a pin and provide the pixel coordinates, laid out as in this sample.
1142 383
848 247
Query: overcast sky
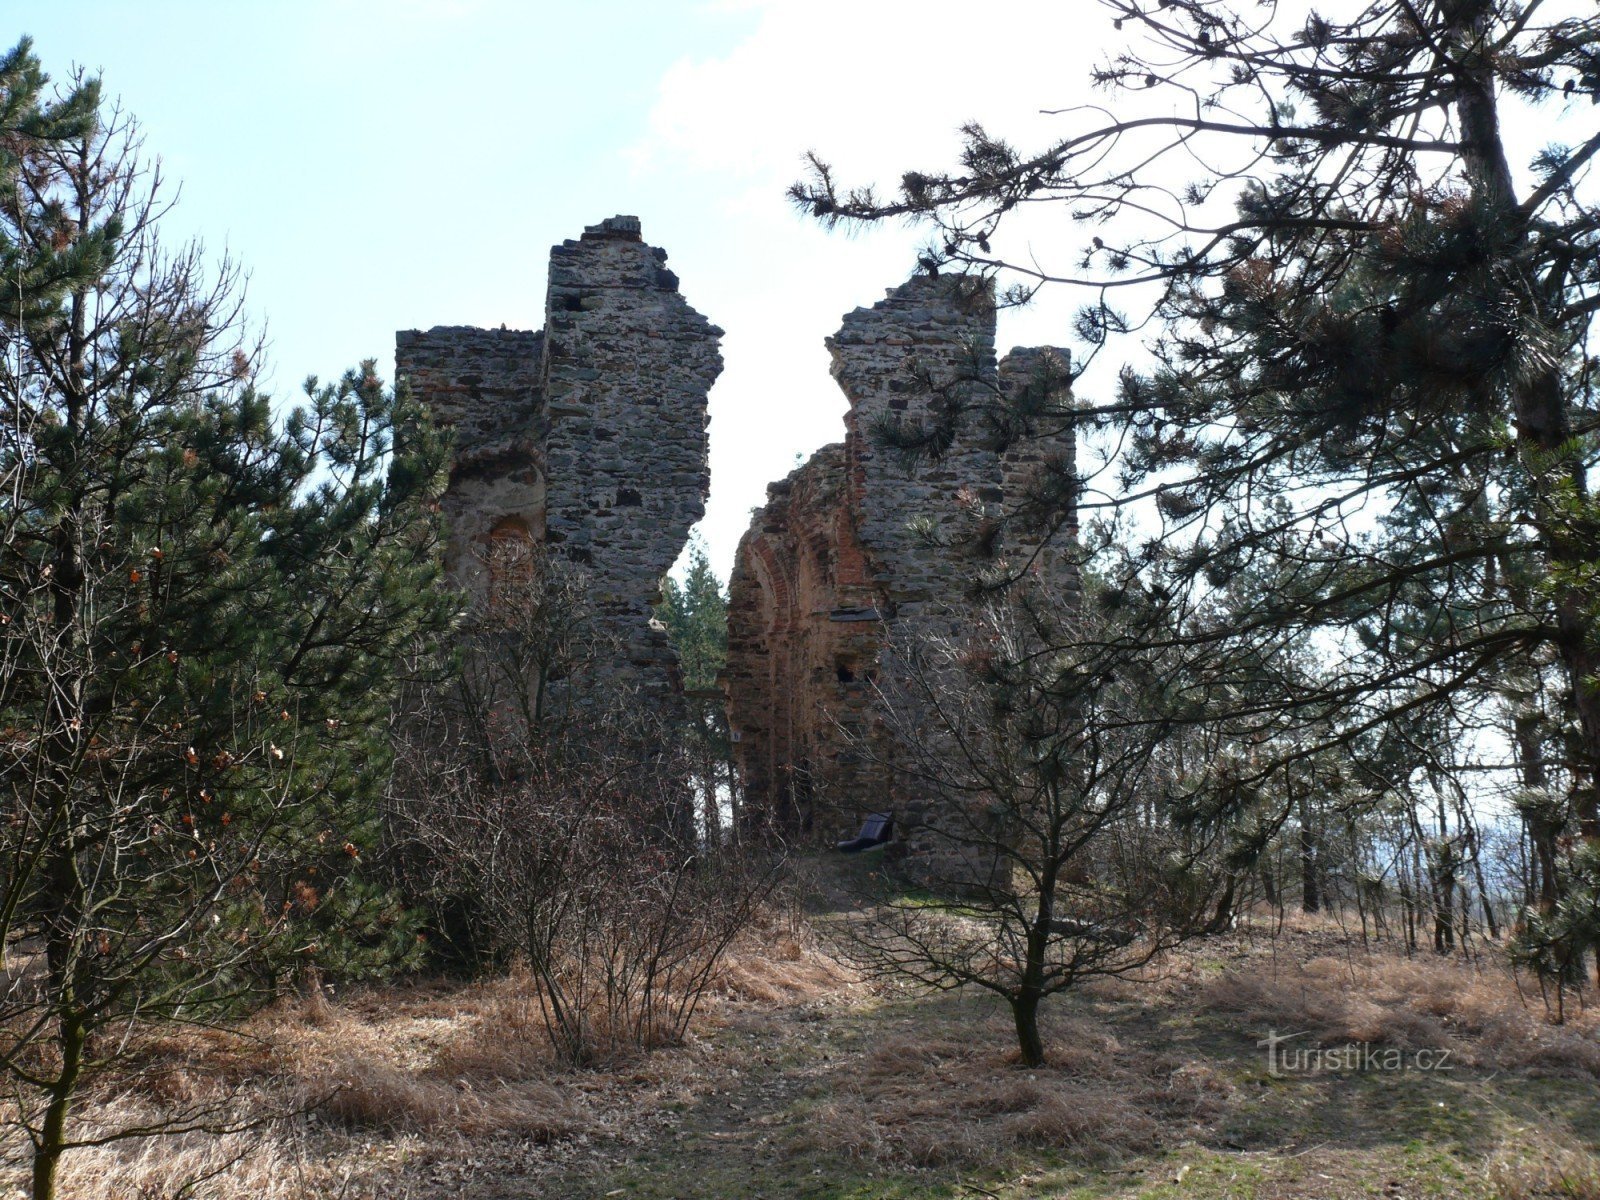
389 164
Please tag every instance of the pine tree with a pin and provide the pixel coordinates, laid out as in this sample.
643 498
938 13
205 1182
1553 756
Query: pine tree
200 610
695 613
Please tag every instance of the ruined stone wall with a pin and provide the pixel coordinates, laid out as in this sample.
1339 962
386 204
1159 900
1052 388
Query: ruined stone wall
863 544
929 342
483 384
1038 470
627 365
588 436
804 636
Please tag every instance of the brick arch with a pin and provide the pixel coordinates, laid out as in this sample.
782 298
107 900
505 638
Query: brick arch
772 574
771 568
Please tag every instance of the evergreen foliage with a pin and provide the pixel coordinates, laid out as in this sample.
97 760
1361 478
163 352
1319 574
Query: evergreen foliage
695 613
201 612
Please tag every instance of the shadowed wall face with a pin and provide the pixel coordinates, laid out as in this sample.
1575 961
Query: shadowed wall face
589 435
861 545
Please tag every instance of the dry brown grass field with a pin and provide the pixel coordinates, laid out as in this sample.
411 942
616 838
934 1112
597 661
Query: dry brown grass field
802 1081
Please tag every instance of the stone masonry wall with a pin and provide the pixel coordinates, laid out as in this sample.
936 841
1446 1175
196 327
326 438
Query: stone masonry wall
484 384
1039 470
804 636
588 436
627 365
928 342
861 545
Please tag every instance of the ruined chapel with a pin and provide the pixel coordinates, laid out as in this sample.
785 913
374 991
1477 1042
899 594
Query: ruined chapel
589 437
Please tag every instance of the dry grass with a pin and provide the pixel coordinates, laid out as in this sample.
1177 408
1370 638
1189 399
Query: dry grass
344 1096
314 1081
440 1089
471 1061
1544 1168
263 1168
958 1098
375 1095
779 966
1475 1009
259 1160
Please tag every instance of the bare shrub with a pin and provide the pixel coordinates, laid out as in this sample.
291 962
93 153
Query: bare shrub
620 925
1042 851
546 807
622 931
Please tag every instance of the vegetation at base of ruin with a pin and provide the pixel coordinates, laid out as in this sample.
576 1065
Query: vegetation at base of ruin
545 813
1344 502
201 607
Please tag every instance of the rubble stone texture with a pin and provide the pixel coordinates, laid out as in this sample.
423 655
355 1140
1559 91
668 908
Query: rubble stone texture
862 544
588 437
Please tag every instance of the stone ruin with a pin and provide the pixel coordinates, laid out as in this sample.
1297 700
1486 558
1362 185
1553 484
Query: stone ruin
587 437
863 543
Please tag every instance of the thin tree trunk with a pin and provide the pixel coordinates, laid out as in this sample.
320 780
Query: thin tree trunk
1541 833
1310 899
53 1134
1025 1011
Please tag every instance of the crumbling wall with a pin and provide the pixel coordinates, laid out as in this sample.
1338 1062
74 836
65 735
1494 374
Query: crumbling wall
865 543
804 636
929 342
1039 465
589 436
627 368
484 385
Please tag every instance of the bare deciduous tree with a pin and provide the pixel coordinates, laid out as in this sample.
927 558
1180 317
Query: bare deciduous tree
1043 846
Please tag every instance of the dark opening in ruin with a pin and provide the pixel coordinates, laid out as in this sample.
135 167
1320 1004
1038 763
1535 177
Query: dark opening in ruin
845 670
